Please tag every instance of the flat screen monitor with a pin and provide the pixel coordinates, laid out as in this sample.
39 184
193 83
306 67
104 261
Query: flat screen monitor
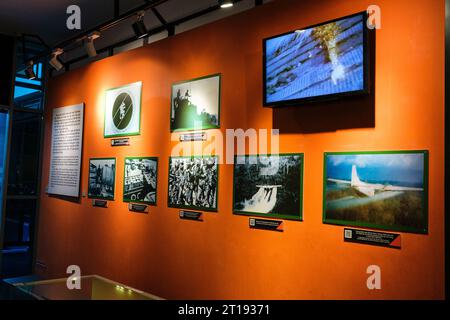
325 61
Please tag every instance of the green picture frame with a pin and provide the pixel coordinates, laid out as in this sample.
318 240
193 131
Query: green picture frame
107 126
365 187
184 128
275 215
106 187
126 199
194 207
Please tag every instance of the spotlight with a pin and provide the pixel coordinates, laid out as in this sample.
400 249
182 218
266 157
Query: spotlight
54 61
29 70
89 44
226 3
139 28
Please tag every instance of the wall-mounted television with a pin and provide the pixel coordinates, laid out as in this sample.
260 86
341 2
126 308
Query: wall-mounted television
321 62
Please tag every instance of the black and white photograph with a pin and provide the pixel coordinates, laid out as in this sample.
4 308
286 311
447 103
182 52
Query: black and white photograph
196 104
193 182
140 180
102 176
269 186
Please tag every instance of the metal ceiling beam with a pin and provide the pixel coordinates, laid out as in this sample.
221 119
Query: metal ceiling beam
169 27
105 25
151 32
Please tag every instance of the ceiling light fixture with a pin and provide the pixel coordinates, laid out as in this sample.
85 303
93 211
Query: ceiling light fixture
89 43
54 61
29 70
226 3
139 28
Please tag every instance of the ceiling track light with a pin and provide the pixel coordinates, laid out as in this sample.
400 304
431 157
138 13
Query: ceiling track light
29 70
54 61
139 28
89 43
226 3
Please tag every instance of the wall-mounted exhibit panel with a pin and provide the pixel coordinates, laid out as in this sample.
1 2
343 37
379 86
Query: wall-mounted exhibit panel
102 178
269 186
196 104
386 190
229 255
123 111
66 149
140 180
193 182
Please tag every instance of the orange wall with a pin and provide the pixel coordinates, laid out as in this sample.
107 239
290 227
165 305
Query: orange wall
221 257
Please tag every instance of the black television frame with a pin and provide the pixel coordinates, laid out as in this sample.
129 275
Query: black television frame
326 97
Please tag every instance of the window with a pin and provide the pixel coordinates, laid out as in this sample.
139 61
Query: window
25 113
28 94
3 145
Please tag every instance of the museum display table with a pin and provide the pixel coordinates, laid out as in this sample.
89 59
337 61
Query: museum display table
93 287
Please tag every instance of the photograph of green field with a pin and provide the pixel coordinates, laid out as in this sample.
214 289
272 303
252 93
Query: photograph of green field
385 190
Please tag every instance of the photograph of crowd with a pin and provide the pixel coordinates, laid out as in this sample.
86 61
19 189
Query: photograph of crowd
193 182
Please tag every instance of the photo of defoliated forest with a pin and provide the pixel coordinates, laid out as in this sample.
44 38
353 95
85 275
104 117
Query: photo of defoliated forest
327 59
268 185
385 190
195 104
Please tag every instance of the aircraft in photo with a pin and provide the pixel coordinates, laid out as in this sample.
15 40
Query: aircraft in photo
369 189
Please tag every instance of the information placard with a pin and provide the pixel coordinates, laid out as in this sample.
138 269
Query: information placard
66 147
265 224
375 238
193 136
120 142
191 215
138 207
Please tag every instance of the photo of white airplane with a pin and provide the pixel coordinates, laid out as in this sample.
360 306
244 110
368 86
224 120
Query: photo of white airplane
369 189
386 190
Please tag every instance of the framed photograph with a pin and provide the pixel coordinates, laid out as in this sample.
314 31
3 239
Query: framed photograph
102 178
382 190
140 180
193 182
269 186
123 111
196 104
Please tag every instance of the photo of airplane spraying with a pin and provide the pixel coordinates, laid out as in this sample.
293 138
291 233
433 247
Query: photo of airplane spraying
385 190
269 186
